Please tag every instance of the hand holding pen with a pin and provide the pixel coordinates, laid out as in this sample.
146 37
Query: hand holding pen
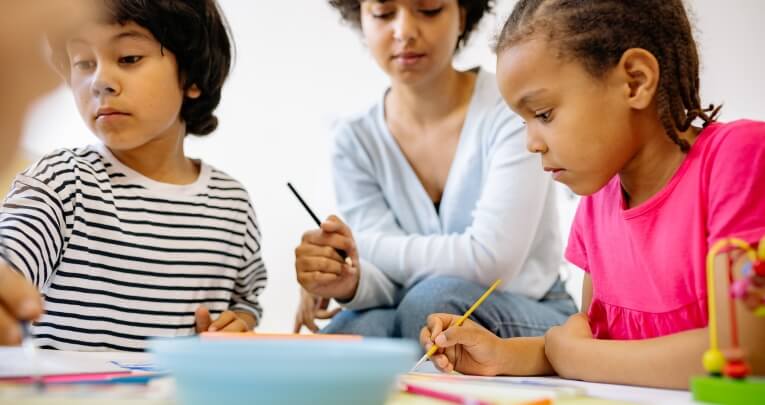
327 261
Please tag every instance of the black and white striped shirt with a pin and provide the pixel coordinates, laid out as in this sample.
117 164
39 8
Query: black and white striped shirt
119 257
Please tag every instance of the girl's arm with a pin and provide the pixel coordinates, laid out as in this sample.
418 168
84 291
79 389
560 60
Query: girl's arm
665 362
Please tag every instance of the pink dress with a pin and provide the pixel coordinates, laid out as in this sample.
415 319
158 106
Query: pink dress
647 263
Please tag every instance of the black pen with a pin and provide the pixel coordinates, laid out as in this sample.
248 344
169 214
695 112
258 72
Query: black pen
315 218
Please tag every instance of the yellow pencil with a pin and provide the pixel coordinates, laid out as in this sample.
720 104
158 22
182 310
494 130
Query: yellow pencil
467 314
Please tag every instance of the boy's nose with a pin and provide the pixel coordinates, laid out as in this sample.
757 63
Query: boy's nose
104 84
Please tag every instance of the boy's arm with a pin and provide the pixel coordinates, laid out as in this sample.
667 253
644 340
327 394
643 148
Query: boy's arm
252 277
32 227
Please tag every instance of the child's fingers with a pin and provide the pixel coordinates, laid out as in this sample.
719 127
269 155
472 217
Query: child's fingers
202 319
19 297
454 336
442 363
237 325
10 333
223 320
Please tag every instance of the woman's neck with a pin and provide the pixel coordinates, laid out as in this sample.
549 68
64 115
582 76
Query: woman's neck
162 159
430 101
654 164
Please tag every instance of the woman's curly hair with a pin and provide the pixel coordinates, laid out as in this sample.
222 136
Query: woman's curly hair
350 10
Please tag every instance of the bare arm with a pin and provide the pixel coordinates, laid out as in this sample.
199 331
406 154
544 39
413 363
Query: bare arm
665 362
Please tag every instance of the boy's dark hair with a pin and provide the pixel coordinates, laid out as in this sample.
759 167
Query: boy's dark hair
350 10
598 32
196 32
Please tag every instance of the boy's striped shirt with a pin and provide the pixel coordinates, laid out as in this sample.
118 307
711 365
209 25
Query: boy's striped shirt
119 257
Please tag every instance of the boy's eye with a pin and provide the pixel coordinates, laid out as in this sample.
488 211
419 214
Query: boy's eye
544 116
383 15
84 64
129 60
432 12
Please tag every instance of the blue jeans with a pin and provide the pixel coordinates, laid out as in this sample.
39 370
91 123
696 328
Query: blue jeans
506 314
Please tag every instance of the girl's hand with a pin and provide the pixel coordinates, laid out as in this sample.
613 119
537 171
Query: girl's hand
469 349
560 341
228 321
19 300
320 269
312 308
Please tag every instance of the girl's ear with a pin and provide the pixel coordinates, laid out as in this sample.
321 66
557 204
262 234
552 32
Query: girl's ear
193 92
641 73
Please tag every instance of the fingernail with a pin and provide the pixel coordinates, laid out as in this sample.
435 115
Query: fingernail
440 340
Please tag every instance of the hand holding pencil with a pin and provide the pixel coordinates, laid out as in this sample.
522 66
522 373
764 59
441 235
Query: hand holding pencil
463 345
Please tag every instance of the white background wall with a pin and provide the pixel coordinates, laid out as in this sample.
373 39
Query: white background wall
298 70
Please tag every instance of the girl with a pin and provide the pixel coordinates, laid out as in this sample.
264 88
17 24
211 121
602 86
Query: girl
609 90
436 183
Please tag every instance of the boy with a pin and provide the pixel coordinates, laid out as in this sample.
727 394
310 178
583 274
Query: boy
131 239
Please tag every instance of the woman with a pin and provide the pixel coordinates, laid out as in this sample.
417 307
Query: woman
439 190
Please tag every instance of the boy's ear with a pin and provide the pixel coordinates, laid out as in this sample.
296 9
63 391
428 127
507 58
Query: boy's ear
193 92
641 74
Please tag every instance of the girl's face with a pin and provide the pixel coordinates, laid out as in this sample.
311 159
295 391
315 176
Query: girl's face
412 40
580 125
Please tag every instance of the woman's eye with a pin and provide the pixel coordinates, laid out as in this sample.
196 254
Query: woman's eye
432 12
129 60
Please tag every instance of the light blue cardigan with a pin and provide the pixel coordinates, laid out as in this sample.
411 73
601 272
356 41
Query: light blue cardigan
498 217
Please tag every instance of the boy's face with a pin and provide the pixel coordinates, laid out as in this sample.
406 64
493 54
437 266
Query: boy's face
580 125
126 85
412 40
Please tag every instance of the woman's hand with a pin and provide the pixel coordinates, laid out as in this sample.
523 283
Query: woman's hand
320 269
312 308
469 349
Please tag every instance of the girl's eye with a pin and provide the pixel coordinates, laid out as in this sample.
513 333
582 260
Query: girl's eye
432 12
83 64
544 116
129 60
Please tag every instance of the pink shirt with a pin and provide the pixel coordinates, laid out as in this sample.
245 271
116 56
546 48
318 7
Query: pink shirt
647 263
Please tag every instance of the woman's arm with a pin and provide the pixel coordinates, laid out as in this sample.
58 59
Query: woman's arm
496 244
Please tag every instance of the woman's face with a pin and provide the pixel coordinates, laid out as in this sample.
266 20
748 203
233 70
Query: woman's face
412 40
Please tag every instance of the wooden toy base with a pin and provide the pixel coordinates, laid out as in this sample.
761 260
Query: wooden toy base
722 390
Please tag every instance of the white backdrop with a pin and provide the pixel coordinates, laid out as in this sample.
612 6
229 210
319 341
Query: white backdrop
298 70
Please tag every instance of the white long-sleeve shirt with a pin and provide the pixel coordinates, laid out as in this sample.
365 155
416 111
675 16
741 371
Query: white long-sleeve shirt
497 216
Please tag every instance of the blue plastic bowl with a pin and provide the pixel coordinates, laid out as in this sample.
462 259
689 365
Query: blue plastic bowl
284 372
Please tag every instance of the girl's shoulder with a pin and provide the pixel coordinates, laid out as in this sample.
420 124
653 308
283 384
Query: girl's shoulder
731 139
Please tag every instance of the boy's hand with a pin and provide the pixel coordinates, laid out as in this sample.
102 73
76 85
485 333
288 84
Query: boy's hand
312 308
560 340
469 349
19 301
320 269
228 321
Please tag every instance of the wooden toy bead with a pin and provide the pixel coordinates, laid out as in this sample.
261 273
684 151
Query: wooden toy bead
739 288
736 369
713 361
759 268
